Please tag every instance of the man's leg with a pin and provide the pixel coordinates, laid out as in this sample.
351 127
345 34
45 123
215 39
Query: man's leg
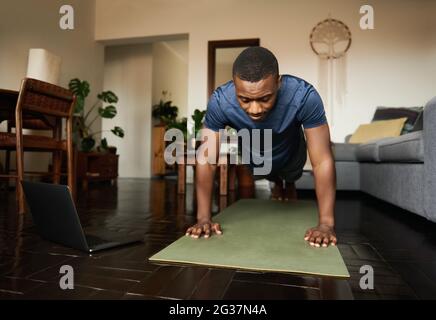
283 190
290 192
277 190
276 185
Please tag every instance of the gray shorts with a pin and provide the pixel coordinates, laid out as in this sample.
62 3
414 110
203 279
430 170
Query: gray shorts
293 170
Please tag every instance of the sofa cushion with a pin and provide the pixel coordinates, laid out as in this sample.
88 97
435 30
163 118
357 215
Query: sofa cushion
413 115
345 151
405 148
378 130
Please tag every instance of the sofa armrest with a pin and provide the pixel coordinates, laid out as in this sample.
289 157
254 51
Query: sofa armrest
430 159
344 151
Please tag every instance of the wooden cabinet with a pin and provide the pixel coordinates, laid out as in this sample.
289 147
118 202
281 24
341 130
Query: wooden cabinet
159 166
96 166
158 145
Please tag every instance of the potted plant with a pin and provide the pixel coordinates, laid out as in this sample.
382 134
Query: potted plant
164 111
88 167
182 125
198 117
84 137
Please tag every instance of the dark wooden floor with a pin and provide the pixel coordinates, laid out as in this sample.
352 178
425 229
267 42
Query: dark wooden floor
400 246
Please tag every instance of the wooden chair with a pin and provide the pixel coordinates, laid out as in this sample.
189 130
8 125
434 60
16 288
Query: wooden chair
47 104
34 123
226 173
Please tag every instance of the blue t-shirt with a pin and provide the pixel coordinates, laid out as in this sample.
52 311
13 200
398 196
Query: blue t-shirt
297 104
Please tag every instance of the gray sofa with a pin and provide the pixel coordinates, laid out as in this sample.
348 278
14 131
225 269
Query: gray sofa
400 170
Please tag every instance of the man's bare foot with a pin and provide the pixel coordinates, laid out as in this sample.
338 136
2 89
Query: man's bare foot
290 192
277 190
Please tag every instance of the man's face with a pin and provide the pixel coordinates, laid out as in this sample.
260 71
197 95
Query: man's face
257 98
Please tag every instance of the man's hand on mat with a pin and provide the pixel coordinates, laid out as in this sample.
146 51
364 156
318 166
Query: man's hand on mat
321 236
206 229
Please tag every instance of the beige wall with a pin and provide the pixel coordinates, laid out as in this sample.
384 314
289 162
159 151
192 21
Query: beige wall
224 58
127 72
26 24
170 73
391 65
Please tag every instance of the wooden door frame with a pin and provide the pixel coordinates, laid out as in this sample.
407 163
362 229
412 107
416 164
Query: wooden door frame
211 56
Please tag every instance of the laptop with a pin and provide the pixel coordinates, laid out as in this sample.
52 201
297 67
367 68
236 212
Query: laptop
56 219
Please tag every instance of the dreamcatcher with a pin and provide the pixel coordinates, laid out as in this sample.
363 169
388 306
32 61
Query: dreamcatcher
330 40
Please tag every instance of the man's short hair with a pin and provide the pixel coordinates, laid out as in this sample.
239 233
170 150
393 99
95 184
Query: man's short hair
254 64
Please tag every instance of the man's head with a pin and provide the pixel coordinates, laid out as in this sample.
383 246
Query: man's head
257 81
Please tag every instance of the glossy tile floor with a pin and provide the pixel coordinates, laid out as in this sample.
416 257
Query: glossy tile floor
400 247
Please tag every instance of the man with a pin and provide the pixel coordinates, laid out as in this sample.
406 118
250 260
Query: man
259 98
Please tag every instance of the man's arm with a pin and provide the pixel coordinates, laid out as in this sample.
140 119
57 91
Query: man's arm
321 157
205 174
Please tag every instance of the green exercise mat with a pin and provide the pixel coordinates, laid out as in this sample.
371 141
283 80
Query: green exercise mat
260 235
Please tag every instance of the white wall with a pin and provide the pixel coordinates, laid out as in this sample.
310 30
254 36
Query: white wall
170 73
138 73
127 72
26 24
391 65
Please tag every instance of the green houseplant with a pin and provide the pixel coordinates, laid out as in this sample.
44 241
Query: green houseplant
164 111
198 117
167 114
84 137
182 124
